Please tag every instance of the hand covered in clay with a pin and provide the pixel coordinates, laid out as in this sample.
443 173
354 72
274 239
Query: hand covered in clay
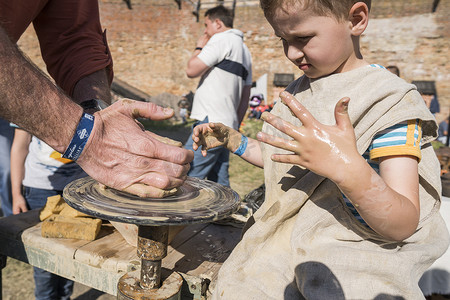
326 150
213 135
122 155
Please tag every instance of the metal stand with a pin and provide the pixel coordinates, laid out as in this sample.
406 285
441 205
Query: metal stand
151 249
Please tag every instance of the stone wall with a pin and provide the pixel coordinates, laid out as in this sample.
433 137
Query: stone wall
152 42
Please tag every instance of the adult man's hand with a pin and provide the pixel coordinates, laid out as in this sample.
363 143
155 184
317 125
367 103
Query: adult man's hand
122 155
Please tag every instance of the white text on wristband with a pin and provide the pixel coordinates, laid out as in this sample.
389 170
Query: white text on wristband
80 137
242 146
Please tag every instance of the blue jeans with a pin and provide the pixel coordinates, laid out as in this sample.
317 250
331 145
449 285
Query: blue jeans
48 286
214 166
6 138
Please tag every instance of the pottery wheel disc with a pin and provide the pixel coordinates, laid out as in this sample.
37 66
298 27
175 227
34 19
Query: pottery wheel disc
196 201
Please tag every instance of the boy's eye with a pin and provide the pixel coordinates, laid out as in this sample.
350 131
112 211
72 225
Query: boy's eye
304 38
300 39
284 42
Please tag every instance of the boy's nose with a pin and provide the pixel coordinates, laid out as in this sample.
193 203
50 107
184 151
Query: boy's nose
294 53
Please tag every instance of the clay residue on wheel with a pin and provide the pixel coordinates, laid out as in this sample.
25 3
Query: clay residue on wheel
196 201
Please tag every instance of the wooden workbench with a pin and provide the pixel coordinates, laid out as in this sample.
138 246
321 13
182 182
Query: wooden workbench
196 253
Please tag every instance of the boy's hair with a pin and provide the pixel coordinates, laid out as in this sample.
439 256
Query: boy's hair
222 13
331 8
394 69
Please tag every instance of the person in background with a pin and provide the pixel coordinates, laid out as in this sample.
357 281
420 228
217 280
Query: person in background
6 138
345 215
184 107
223 62
39 172
443 131
254 103
394 70
428 91
114 149
434 105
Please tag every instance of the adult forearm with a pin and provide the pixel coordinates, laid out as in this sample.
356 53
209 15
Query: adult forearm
196 67
29 99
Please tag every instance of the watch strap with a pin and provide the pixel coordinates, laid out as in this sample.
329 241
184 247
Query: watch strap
94 104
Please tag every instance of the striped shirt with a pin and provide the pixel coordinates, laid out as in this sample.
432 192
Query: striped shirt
400 139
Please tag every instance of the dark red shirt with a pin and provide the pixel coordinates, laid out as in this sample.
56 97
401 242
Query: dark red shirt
72 42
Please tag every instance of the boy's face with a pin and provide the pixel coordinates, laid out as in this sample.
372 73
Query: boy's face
317 45
211 27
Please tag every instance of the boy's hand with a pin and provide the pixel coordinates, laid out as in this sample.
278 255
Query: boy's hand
213 135
19 205
326 150
202 40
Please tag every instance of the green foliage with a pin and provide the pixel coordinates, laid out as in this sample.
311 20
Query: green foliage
245 177
251 127
436 145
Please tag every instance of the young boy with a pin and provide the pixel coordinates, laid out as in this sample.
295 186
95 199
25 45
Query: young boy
352 183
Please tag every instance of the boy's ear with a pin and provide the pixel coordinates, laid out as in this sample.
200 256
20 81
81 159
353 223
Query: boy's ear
359 18
219 24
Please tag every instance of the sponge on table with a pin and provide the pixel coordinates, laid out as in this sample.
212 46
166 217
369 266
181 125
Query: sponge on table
54 206
68 211
62 221
71 228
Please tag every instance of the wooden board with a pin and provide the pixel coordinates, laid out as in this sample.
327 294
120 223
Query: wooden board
197 253
203 254
11 229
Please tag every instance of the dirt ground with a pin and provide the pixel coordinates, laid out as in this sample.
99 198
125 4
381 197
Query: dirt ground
18 284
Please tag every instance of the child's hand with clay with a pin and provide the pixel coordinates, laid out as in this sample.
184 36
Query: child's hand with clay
315 146
388 201
212 135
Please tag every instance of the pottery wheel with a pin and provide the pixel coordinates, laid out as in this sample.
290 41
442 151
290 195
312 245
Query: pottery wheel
196 201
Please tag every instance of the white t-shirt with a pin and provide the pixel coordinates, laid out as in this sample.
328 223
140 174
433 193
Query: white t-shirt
219 91
45 169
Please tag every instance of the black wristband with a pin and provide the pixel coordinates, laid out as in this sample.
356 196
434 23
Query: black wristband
93 105
198 48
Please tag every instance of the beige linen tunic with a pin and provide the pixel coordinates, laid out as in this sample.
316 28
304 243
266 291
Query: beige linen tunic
305 243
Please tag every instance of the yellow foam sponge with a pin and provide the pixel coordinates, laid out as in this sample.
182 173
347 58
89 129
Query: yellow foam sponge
68 211
54 206
71 228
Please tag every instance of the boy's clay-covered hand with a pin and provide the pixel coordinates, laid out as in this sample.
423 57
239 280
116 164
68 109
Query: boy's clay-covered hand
315 146
213 135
